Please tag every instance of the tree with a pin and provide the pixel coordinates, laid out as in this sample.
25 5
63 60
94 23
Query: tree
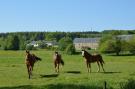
70 49
131 46
12 43
64 42
114 45
42 44
117 45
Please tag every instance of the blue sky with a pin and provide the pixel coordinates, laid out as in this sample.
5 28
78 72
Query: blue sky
66 15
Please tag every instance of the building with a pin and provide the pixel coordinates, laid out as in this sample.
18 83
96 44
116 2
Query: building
80 43
48 43
125 37
34 43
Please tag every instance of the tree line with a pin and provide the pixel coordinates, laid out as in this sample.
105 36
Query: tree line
18 40
109 42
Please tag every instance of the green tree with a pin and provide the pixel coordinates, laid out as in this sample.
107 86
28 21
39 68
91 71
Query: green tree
70 49
42 44
12 43
114 45
131 46
64 42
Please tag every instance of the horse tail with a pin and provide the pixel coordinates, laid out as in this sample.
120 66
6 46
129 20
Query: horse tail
37 58
62 62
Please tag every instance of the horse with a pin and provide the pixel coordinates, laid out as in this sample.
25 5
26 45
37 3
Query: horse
57 61
91 59
30 61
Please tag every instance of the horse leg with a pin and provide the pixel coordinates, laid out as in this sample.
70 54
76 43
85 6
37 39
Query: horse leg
28 70
102 66
55 66
58 68
98 67
89 67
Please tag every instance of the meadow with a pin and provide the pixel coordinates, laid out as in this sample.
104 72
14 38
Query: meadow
73 75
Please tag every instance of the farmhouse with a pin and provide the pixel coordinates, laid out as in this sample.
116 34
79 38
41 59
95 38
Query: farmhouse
48 43
125 37
34 43
80 43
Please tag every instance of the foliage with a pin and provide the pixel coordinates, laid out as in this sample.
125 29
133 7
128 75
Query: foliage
12 43
131 45
42 44
70 49
64 42
128 85
30 47
113 44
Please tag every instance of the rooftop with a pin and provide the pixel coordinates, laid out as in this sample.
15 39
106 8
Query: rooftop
86 40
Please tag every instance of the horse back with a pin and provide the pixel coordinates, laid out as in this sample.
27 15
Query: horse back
96 57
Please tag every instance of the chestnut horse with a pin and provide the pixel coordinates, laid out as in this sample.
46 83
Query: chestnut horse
30 61
57 61
91 59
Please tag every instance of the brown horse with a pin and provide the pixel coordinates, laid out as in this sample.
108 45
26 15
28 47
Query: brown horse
57 61
91 59
30 61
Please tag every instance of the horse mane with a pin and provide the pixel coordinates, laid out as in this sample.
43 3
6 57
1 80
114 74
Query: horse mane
37 58
32 56
88 54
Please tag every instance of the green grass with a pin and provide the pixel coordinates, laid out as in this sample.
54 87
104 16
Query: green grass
73 75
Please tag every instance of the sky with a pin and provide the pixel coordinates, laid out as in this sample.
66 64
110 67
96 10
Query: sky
66 15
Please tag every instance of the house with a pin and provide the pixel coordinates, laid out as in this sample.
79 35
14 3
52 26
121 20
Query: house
80 43
34 43
37 43
50 43
125 37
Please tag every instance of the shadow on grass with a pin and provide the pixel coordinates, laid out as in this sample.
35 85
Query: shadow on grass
49 76
73 72
56 86
111 72
107 72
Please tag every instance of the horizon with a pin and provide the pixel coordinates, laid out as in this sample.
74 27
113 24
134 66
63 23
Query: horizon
66 16
64 31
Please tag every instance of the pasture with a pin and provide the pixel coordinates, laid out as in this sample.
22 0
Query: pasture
74 75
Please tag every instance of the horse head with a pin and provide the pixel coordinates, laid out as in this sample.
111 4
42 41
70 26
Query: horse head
83 52
56 53
27 52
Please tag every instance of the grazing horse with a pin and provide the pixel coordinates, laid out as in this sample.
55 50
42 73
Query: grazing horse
91 59
57 61
30 60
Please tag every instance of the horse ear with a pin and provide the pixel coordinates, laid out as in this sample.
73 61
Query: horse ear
27 51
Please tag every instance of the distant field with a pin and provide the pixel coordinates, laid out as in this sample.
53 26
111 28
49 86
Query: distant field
73 75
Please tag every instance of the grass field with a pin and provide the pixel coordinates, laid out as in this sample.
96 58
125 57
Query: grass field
73 75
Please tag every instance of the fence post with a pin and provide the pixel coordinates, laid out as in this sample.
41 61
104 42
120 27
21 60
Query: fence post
105 83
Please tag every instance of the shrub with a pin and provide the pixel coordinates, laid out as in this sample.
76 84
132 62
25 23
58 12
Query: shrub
70 49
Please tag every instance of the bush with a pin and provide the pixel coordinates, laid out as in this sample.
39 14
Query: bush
70 49
129 85
63 43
